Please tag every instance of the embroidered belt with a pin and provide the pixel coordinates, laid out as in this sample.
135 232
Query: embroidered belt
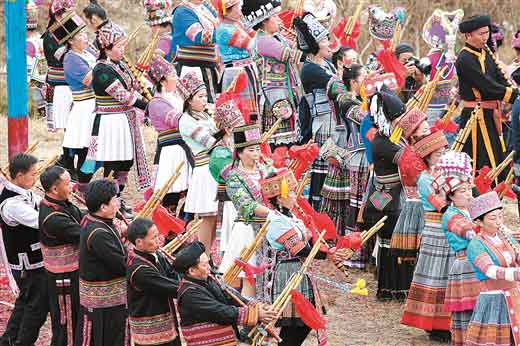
83 95
107 104
494 104
197 53
432 216
238 63
209 334
153 330
251 220
202 158
56 75
168 136
387 181
460 254
60 259
102 294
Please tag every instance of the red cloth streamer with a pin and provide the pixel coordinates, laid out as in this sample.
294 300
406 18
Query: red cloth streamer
449 126
305 156
166 222
482 182
350 241
341 36
502 187
410 166
315 222
250 270
280 157
390 63
307 312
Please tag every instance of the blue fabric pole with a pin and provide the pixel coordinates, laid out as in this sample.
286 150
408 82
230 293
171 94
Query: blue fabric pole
17 93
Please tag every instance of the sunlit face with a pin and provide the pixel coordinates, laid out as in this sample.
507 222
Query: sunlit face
434 157
170 82
202 270
63 187
28 179
462 196
422 130
109 210
80 41
199 101
150 243
492 222
350 58
358 82
117 51
250 155
272 24
479 37
324 51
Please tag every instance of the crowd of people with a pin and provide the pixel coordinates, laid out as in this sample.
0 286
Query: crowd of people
276 146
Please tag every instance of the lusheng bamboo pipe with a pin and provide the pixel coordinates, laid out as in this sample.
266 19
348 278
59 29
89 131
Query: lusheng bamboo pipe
245 255
266 136
280 304
51 162
365 236
158 196
463 134
508 182
494 173
177 242
349 28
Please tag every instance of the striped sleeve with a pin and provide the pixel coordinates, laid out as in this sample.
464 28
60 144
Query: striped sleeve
485 264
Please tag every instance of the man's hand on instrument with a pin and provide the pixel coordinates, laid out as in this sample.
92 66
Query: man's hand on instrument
266 314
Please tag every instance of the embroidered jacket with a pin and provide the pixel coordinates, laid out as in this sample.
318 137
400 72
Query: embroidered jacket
431 201
102 264
199 131
59 235
152 285
54 56
193 38
457 227
208 315
233 41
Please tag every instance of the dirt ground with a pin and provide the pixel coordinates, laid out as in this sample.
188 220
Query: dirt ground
352 320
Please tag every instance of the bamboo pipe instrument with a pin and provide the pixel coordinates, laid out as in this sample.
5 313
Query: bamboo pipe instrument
301 185
245 255
176 243
158 196
494 173
267 135
365 236
349 28
508 182
135 72
463 134
29 150
450 112
430 89
143 63
52 161
280 304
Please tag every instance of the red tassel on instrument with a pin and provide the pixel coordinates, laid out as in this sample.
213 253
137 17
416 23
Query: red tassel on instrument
350 241
449 126
410 166
482 182
251 270
325 223
287 16
506 190
307 312
166 222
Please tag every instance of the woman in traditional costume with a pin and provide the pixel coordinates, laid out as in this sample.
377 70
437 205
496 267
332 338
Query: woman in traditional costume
456 180
58 96
347 174
494 255
78 64
424 307
235 42
406 236
165 110
244 189
317 111
384 195
159 18
277 60
199 131
193 46
116 143
290 242
440 33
